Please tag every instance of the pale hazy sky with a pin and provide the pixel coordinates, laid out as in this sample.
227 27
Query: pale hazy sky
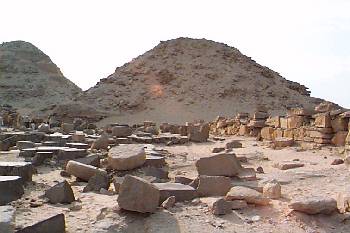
307 41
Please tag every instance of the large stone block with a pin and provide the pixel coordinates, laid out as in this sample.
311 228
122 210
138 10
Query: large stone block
295 122
121 131
82 171
136 194
126 157
219 165
314 205
11 189
249 195
323 120
180 191
267 133
60 193
213 186
54 224
71 153
340 124
339 138
23 169
7 219
198 132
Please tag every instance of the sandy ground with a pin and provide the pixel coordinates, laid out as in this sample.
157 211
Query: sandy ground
94 212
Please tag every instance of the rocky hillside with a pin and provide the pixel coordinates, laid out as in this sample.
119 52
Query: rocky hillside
29 80
186 79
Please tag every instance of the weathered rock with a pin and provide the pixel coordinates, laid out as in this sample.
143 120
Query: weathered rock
180 191
159 173
233 144
339 138
272 190
93 160
249 195
217 149
60 193
55 224
238 204
285 165
218 165
343 202
101 143
7 219
97 182
247 174
136 194
295 122
183 180
169 202
337 162
40 157
323 120
198 132
82 171
154 161
213 186
70 153
78 145
11 188
221 207
24 145
283 142
45 128
340 124
314 205
23 169
267 133
121 131
126 157
117 182
78 136
67 127
260 170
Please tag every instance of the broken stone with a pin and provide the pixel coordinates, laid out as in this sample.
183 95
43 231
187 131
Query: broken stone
70 153
23 169
180 191
117 181
337 162
45 128
340 124
79 136
11 188
247 174
217 149
159 173
60 193
249 195
233 144
55 224
213 186
121 131
221 207
82 171
101 143
78 145
285 165
343 202
314 205
283 142
154 161
198 132
183 180
136 194
219 165
40 157
272 190
126 157
339 138
169 202
238 204
97 182
7 219
24 145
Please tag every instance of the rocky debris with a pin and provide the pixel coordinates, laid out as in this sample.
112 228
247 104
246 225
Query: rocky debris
82 171
247 194
154 161
213 186
169 202
136 194
238 204
11 188
101 143
71 153
24 145
343 202
286 165
23 169
60 193
45 128
183 180
283 142
126 157
314 205
217 149
337 162
117 181
260 170
198 132
272 190
221 207
159 173
7 219
54 224
97 182
246 174
121 131
78 136
233 144
218 165
180 191
67 128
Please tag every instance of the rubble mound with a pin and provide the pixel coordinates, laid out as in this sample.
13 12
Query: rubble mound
29 80
187 79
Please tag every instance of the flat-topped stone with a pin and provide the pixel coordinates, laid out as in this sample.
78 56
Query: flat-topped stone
154 161
54 149
71 153
54 224
11 189
24 145
180 191
78 145
51 143
22 169
126 157
27 153
7 219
